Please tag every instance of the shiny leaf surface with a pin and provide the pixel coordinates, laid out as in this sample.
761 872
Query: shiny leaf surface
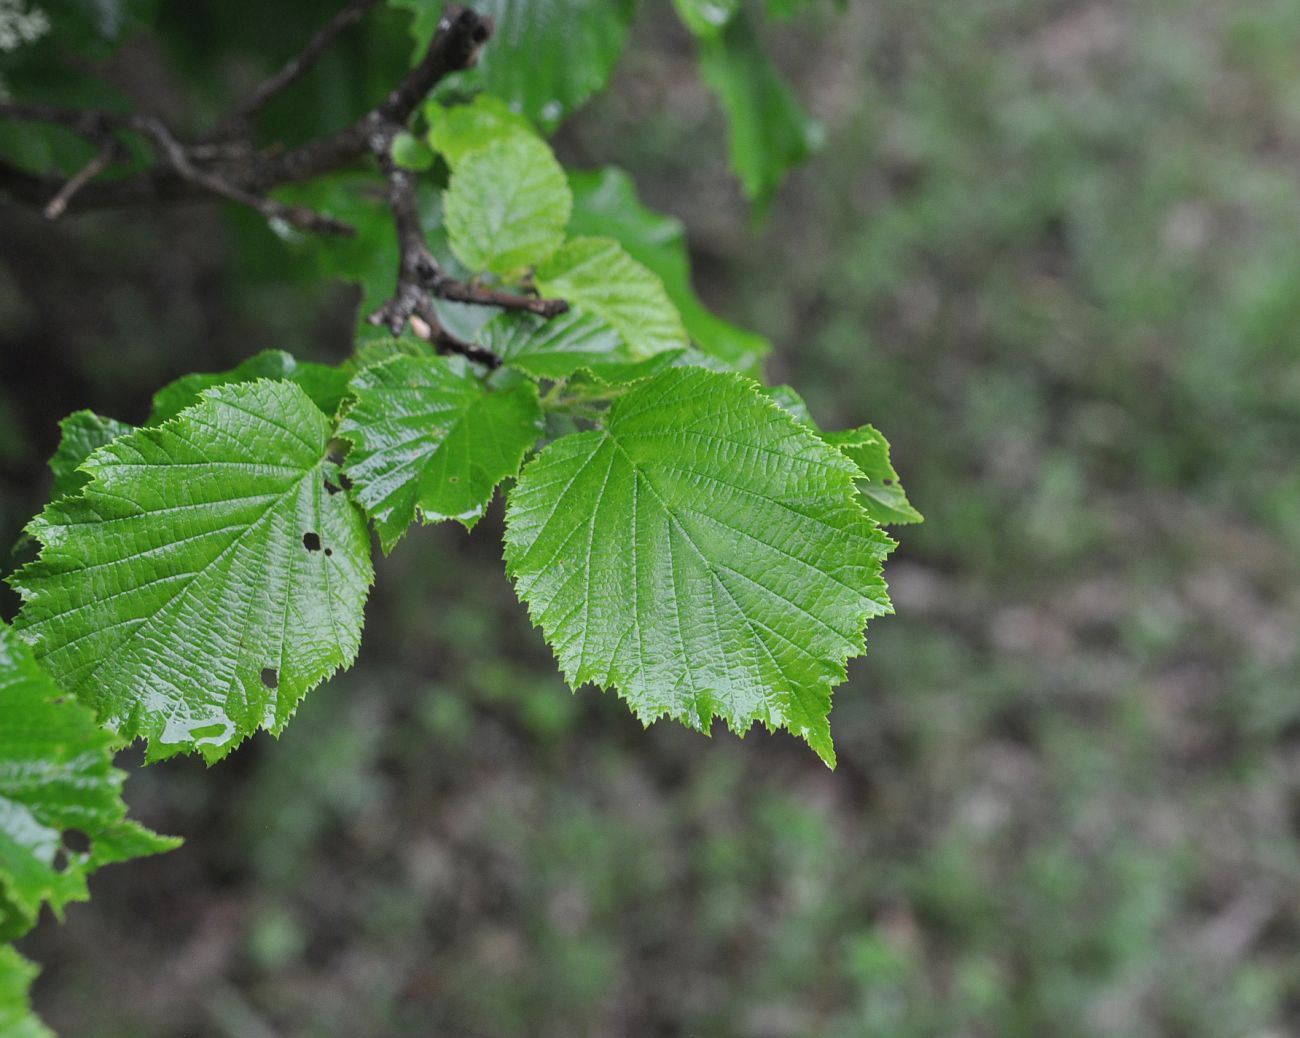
427 436
702 552
207 577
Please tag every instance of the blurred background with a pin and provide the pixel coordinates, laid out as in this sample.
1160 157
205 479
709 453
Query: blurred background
1052 249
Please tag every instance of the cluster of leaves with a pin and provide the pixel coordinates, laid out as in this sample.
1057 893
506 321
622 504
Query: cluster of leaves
680 534
678 531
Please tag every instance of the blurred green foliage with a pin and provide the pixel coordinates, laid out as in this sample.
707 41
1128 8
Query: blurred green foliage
1051 251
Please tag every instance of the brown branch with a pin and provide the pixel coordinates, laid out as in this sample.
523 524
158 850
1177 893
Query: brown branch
454 291
433 331
247 172
293 70
174 153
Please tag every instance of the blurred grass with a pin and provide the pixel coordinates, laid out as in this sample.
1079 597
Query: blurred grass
1053 251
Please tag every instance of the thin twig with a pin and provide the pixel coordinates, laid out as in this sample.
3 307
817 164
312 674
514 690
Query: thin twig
246 175
459 292
445 342
173 152
293 70
105 158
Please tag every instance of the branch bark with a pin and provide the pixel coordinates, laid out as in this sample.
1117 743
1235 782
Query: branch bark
242 173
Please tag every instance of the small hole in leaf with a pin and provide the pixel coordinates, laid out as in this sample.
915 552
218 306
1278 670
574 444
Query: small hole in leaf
60 862
453 479
270 677
332 488
887 482
344 482
75 841
329 551
311 540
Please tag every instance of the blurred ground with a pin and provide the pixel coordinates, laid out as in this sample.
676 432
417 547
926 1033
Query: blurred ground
1052 249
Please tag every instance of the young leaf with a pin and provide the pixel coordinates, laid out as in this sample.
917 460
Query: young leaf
770 132
605 202
16 1017
702 552
325 385
507 205
56 775
597 276
456 130
83 433
206 578
558 348
410 152
883 495
428 435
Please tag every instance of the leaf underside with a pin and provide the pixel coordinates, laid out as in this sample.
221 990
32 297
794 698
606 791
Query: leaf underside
703 553
207 577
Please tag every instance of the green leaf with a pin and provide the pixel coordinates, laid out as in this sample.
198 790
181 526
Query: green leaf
597 276
410 152
548 56
706 18
428 435
456 130
56 775
208 576
702 552
605 202
380 349
507 205
883 495
885 500
787 398
424 22
83 433
558 348
769 131
16 1017
325 385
